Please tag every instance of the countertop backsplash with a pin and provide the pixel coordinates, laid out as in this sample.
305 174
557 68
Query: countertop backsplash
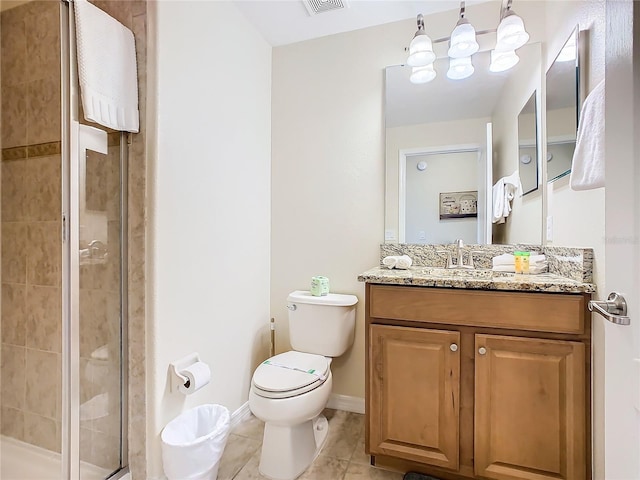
572 263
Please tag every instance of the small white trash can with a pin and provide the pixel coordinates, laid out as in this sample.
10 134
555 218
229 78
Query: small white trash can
193 442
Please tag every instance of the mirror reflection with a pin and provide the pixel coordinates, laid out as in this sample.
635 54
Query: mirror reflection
562 109
528 146
444 123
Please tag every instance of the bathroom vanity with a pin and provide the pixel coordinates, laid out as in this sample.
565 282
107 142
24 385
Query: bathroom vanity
478 374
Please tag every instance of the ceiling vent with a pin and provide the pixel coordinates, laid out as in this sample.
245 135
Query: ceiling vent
315 7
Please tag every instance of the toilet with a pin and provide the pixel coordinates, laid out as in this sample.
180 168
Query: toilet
290 390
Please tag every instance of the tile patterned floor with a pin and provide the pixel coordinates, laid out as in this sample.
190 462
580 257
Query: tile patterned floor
342 457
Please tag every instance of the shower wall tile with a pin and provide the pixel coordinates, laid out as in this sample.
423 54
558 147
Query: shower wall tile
94 331
44 318
13 63
43 39
42 431
14 314
43 379
13 374
12 423
44 254
14 113
15 184
44 190
14 252
119 10
43 110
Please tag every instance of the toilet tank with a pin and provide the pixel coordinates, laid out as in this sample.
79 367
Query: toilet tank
322 325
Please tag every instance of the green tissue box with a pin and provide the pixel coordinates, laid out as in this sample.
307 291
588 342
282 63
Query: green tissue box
319 286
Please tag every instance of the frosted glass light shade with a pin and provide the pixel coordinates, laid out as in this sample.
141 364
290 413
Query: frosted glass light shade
422 74
502 61
463 40
511 33
421 50
460 68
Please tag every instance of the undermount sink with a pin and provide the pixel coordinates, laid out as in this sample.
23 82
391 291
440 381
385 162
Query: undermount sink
462 273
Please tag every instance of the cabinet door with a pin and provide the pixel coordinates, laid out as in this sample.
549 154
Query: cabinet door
414 380
530 406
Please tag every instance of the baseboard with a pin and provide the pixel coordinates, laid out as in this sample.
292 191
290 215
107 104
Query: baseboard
346 403
240 415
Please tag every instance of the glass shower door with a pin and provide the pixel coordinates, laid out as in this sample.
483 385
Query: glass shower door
99 303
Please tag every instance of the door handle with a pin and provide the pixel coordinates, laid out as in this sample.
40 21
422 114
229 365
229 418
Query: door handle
614 309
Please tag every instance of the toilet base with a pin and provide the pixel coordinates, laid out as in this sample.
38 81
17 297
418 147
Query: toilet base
288 451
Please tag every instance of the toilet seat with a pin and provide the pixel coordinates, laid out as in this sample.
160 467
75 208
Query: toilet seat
290 374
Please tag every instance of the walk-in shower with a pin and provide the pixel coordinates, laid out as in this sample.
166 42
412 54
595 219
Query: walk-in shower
64 261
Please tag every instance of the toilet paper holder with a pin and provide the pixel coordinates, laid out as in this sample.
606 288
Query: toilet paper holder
178 380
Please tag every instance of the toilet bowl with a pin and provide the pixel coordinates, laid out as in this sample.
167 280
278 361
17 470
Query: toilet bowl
291 408
290 390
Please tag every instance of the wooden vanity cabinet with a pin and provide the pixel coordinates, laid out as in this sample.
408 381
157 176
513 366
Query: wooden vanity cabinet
468 399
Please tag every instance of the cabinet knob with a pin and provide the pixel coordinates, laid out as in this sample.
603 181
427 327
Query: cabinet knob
453 347
482 350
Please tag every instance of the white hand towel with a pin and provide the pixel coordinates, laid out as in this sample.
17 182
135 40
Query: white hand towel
587 168
106 69
401 262
504 191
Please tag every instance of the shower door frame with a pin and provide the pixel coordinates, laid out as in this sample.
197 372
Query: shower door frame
71 173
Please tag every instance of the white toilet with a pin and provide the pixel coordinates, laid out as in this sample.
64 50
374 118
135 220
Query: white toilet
289 391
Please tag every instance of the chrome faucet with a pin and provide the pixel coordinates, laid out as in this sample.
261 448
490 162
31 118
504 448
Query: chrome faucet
459 244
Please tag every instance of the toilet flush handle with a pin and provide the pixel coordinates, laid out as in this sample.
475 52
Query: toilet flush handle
292 307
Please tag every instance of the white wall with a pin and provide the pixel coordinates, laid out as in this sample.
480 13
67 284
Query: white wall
328 171
445 173
209 204
432 135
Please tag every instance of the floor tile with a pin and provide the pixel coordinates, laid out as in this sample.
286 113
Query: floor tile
237 453
341 458
252 428
367 472
344 432
325 468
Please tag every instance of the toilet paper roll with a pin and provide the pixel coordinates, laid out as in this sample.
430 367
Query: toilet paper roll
197 375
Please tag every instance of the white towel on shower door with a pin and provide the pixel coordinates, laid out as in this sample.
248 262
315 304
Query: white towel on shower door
106 69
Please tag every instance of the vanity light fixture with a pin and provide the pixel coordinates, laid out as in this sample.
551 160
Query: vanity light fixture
421 48
460 68
511 34
422 74
463 38
503 61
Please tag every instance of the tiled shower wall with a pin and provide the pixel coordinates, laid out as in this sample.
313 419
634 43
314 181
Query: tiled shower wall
31 245
30 80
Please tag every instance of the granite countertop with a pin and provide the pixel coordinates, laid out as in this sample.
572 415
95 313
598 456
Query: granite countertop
483 279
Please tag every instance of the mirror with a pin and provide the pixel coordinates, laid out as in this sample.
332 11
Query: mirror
528 146
562 109
443 123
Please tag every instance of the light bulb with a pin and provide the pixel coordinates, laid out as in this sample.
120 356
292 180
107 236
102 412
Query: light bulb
502 61
422 74
463 40
511 34
460 68
421 50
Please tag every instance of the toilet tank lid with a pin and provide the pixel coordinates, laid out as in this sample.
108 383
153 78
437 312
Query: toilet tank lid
334 299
